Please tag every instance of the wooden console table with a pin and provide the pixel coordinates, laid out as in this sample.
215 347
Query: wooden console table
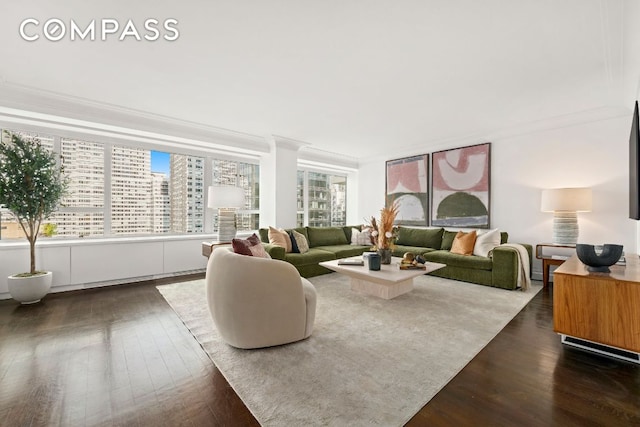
599 311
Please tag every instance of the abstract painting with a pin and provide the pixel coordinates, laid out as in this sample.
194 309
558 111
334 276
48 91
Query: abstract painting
407 185
460 187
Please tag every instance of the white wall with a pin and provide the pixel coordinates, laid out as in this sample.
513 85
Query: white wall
591 155
78 264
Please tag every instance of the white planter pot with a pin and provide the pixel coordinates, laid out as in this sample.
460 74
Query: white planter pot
29 290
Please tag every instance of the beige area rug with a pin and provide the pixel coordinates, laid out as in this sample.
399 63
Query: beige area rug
369 361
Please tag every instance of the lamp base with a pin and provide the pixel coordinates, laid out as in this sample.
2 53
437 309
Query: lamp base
226 225
565 228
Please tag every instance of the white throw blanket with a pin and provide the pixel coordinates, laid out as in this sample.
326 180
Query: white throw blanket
524 275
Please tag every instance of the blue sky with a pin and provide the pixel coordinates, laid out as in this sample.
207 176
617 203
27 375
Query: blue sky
160 162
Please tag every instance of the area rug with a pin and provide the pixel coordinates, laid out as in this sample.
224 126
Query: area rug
369 361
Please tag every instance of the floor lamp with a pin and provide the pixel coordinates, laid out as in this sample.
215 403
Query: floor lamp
226 199
565 203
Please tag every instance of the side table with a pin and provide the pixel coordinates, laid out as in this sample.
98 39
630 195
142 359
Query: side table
549 260
207 247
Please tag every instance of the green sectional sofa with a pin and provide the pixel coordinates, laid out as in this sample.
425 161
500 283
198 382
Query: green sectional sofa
327 243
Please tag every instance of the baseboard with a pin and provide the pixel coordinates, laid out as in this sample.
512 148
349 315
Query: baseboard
606 350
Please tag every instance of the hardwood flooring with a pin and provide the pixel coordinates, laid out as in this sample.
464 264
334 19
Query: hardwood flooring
120 356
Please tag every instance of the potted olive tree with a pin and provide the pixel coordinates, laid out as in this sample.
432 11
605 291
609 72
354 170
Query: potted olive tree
31 187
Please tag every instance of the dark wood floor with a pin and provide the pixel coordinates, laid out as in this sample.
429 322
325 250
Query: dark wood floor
120 356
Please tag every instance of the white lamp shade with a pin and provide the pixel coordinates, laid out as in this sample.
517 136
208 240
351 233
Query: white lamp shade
566 199
225 196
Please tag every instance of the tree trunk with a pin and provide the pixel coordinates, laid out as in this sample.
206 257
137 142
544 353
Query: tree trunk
32 249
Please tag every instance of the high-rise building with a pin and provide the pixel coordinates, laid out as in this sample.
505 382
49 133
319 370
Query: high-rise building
131 196
83 164
325 201
186 193
338 189
161 203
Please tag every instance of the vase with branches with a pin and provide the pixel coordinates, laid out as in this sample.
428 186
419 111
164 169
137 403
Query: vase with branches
384 233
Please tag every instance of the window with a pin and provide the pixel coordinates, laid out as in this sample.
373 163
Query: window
117 189
246 176
321 199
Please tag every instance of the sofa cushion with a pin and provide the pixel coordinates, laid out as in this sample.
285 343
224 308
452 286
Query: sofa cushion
314 256
456 260
279 237
326 236
294 244
420 237
301 241
463 243
347 230
344 251
486 241
447 239
264 235
504 237
360 237
250 246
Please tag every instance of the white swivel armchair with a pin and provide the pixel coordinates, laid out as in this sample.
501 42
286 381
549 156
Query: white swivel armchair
258 302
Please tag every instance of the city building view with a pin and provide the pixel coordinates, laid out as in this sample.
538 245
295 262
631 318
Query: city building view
145 196
150 192
325 199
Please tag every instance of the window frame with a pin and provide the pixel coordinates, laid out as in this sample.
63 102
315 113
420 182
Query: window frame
108 142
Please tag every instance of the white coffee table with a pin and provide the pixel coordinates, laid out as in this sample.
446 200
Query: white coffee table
388 282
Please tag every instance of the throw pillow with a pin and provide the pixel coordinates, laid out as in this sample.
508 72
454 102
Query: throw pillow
486 241
301 241
294 244
280 238
361 238
463 243
251 246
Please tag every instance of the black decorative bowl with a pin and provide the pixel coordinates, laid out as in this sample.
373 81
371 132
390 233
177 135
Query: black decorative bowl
599 262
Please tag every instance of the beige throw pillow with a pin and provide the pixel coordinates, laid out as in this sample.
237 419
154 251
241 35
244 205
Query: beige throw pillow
280 238
463 243
486 241
361 238
301 241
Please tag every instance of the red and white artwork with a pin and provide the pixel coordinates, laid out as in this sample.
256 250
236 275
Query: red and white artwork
407 186
460 187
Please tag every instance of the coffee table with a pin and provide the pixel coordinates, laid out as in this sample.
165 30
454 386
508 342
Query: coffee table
388 282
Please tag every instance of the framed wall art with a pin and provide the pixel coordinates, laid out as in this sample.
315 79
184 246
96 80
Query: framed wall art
460 187
407 185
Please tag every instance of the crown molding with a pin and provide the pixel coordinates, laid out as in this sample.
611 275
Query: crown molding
288 143
328 160
549 124
21 103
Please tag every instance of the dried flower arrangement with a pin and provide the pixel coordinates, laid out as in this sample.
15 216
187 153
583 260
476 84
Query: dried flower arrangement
383 232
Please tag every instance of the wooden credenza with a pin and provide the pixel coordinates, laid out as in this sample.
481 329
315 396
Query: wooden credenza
599 310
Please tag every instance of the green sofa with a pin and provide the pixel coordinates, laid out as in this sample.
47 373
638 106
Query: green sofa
327 243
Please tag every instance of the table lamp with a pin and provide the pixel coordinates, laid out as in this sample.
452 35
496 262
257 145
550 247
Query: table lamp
565 203
226 199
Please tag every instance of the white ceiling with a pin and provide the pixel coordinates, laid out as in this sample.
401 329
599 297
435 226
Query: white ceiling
353 77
